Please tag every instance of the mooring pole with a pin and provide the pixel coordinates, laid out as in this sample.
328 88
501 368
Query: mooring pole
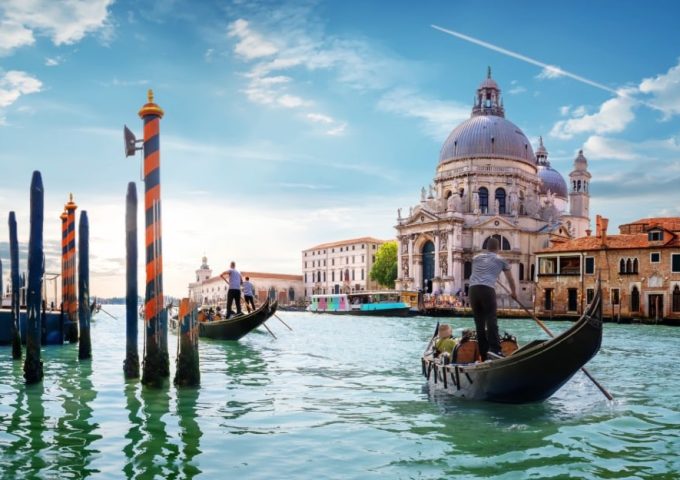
188 373
156 361
131 364
64 273
33 367
16 285
72 300
84 313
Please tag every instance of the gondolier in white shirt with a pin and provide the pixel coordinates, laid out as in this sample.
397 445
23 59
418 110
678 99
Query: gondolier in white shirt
486 267
234 293
249 294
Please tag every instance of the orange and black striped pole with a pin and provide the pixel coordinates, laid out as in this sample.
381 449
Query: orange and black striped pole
64 249
156 360
72 300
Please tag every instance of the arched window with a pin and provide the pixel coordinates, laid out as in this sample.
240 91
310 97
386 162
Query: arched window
503 242
629 266
521 272
448 194
483 194
347 275
635 300
291 294
578 185
500 197
676 299
467 270
622 266
635 265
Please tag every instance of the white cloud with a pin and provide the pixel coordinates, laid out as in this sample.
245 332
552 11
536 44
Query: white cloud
15 83
14 35
52 61
517 89
564 110
292 101
550 72
665 90
598 147
319 118
613 116
250 44
337 131
64 22
438 117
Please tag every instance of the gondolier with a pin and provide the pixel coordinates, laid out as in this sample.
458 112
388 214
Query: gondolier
486 267
234 292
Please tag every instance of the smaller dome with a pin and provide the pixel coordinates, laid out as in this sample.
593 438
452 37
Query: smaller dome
552 180
489 83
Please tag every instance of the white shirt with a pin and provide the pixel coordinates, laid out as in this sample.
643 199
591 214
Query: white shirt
234 279
486 267
247 288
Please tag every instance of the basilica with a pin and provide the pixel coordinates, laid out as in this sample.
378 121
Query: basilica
489 182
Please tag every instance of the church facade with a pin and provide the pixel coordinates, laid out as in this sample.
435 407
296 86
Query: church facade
489 182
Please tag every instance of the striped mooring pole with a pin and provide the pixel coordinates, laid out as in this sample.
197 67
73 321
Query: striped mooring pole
131 364
16 285
188 373
64 250
33 367
156 361
71 306
84 313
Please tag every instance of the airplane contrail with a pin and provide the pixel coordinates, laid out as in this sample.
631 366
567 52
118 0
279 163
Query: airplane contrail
552 69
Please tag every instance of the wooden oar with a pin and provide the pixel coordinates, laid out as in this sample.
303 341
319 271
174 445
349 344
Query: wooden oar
264 324
434 335
279 318
547 330
115 318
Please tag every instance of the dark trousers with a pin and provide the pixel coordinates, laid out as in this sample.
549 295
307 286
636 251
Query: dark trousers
233 294
483 303
250 303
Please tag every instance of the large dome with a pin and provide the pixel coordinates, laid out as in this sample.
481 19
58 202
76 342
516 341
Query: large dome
487 136
552 180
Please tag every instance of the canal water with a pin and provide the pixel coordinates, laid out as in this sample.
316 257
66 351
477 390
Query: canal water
339 397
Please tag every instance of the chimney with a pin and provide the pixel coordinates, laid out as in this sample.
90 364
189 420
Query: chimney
603 230
588 232
598 225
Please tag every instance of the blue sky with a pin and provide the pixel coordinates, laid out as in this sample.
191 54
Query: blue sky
291 124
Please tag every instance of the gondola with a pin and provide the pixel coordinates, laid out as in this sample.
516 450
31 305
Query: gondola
237 326
531 374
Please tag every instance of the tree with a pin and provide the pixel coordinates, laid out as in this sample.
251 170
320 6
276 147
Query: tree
384 270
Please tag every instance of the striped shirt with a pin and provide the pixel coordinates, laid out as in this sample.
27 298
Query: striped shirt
486 267
247 288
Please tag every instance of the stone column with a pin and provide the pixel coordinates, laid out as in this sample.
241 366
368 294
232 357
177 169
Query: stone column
449 252
436 255
399 257
410 257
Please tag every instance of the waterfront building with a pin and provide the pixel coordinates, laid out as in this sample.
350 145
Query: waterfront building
212 290
489 182
639 268
340 267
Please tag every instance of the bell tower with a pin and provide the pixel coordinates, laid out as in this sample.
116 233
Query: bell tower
488 99
204 272
579 196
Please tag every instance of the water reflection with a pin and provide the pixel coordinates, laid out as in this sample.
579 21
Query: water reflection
190 432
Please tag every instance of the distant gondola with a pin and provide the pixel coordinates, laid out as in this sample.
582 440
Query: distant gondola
237 326
531 374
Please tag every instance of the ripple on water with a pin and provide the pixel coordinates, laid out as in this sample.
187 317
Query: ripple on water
338 397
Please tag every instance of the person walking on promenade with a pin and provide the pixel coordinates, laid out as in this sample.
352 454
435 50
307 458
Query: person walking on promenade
234 292
486 267
249 294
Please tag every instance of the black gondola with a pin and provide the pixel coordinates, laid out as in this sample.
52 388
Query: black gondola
531 374
237 326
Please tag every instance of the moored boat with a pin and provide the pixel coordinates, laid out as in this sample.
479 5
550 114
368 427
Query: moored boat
530 374
237 326
384 304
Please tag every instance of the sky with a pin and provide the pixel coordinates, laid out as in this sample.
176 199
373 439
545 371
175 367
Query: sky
289 124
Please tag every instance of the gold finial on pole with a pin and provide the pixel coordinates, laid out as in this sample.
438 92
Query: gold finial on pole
150 108
149 95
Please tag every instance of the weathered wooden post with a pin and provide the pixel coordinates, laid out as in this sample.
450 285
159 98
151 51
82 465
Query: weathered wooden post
156 361
72 299
84 345
188 373
131 364
33 368
16 285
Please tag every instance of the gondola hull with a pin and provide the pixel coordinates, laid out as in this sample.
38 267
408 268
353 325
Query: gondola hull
237 327
386 312
531 374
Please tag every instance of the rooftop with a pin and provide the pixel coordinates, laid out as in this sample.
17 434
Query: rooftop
341 243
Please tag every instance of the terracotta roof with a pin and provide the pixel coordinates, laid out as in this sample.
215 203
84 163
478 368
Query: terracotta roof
669 223
613 242
346 242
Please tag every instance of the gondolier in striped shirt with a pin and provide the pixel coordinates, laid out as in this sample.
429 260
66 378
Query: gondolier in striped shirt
486 267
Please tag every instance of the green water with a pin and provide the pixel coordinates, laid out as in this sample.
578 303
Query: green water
339 397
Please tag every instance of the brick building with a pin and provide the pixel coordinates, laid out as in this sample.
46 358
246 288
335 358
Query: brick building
639 268
212 290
